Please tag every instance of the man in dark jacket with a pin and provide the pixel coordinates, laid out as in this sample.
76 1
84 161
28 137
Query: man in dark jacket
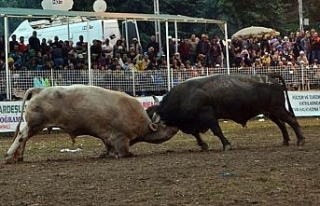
34 42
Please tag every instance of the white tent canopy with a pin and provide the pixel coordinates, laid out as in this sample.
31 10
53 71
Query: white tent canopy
7 12
40 13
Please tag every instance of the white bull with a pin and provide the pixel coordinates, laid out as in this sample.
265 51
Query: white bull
114 117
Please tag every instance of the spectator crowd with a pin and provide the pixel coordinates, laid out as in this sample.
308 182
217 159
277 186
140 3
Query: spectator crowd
298 48
192 52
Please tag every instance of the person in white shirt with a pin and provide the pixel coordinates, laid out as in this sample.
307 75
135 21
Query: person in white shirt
107 47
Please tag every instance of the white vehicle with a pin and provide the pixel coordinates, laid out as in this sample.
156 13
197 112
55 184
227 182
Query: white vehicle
72 28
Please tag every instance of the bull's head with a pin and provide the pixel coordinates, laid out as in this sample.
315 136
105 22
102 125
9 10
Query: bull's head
155 121
160 132
153 114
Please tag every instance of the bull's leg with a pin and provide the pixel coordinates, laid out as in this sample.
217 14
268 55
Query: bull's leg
290 119
283 129
215 128
18 146
109 150
21 150
207 119
121 145
18 143
204 146
73 139
49 130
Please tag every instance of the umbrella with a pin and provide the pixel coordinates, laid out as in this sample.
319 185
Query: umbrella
255 31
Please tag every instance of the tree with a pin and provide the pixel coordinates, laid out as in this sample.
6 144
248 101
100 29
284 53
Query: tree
281 15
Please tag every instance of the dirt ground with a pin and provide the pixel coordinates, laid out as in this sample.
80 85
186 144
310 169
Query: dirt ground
257 171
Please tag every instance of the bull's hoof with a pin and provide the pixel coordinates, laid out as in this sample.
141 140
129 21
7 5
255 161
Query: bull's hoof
301 142
285 143
9 160
20 159
103 155
204 147
226 147
129 154
126 155
112 154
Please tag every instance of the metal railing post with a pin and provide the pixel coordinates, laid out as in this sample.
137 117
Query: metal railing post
302 75
52 81
133 83
10 85
6 51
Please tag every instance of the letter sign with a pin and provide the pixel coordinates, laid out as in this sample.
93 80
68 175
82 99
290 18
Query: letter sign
57 1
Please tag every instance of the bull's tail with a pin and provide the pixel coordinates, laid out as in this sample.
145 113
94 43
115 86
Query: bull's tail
277 75
30 92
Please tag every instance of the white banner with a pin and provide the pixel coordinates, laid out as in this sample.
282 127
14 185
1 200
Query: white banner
304 104
10 116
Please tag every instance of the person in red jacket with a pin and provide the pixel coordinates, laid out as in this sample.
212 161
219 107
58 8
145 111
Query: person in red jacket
184 50
22 46
315 46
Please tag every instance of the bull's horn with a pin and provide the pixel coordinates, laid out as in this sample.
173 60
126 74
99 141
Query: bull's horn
156 100
155 118
153 127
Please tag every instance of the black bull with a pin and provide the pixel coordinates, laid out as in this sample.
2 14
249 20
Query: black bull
196 105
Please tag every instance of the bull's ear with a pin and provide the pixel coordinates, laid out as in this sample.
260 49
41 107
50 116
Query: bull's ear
155 118
156 100
153 127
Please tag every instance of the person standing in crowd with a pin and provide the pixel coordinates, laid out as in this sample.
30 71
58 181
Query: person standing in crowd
55 42
34 42
45 49
22 47
107 48
193 49
307 45
81 46
96 50
171 49
13 42
265 45
153 43
57 55
286 46
136 45
236 45
119 47
315 46
184 50
203 48
81 42
215 52
299 44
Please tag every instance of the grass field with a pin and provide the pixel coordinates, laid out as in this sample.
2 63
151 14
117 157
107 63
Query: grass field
257 171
